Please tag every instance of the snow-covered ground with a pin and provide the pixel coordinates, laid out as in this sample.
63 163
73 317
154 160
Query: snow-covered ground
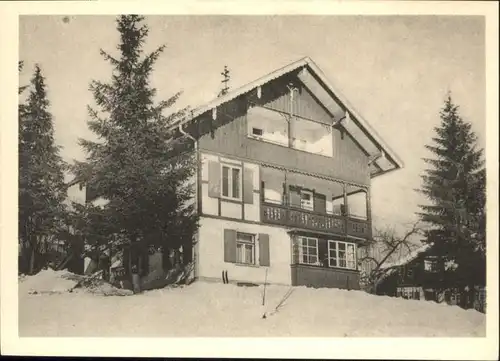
215 309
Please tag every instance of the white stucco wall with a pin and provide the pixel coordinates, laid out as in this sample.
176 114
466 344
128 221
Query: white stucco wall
211 253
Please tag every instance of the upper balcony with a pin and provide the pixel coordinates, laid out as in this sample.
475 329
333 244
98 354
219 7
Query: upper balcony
301 201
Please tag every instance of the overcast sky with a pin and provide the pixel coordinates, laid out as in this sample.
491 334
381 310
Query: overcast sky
396 71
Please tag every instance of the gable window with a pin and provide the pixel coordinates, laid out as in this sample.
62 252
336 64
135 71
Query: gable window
231 182
267 125
341 254
312 137
245 248
308 250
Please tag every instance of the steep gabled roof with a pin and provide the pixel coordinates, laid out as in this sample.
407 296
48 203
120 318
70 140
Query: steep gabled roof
315 80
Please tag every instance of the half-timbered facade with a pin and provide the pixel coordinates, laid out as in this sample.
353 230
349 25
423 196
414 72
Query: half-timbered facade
283 187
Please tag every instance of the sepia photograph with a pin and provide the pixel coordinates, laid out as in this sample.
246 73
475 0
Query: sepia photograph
252 176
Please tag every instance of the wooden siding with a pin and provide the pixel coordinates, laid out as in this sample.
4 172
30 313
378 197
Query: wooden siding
228 135
304 105
315 276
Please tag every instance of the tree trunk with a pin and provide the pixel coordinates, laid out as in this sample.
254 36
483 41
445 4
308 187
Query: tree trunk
167 265
32 261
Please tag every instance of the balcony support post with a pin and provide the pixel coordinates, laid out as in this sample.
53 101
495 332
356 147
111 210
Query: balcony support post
369 212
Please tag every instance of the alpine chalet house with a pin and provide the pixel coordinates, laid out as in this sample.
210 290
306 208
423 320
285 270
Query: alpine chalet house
283 184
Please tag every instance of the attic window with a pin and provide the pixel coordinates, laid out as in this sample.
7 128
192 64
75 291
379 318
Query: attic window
267 125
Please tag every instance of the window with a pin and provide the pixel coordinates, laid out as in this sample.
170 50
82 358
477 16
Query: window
306 199
430 265
409 293
311 136
245 248
306 135
267 125
257 131
231 182
308 250
341 254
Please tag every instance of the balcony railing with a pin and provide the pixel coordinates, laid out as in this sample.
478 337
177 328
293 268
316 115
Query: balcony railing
301 218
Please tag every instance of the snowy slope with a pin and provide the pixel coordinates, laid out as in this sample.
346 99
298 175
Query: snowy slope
210 309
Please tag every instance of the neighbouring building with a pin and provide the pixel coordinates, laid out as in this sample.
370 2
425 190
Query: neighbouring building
283 183
417 276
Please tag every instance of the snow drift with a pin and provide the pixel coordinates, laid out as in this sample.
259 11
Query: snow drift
214 309
50 282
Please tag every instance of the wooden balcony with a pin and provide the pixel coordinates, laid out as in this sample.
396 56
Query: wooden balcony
315 276
301 218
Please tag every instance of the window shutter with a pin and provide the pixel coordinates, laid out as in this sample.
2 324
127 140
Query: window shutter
294 196
229 245
264 255
319 203
248 186
213 179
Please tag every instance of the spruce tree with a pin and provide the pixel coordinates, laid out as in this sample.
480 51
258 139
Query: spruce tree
141 168
41 177
454 184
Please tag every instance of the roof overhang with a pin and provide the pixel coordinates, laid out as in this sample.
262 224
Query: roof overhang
381 157
352 121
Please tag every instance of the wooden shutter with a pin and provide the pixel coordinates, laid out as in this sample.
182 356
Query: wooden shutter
248 185
213 179
294 196
319 203
229 245
264 254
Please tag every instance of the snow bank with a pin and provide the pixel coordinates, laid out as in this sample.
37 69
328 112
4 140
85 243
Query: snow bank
50 281
47 281
210 309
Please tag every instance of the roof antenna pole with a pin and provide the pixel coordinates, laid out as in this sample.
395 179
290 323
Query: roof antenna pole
226 77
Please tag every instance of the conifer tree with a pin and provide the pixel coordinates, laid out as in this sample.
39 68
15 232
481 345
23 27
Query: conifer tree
454 184
138 165
41 177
